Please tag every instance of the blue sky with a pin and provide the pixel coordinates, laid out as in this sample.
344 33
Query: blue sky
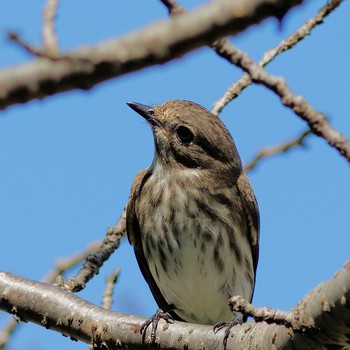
67 162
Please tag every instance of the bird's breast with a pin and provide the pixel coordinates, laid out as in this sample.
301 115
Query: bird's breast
190 245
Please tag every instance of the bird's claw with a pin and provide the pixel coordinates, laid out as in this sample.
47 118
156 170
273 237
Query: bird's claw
238 319
154 320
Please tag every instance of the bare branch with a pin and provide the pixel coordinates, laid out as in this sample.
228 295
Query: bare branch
111 280
271 151
14 37
301 32
49 37
173 7
316 121
61 267
7 332
88 66
236 88
50 42
318 309
64 312
290 319
94 261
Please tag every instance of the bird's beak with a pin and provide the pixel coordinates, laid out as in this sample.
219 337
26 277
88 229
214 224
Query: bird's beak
145 111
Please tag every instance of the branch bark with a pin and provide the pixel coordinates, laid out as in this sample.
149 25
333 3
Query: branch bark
279 149
95 260
50 41
61 267
155 44
301 33
324 312
317 122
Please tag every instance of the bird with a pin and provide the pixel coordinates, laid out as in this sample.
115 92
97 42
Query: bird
193 219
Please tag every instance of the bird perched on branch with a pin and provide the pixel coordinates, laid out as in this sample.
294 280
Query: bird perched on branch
192 218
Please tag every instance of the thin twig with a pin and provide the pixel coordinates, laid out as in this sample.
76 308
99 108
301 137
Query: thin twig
173 7
282 148
94 261
111 281
7 332
290 319
316 121
236 88
42 53
65 264
15 37
49 36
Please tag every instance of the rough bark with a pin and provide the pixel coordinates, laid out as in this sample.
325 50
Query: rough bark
155 44
323 319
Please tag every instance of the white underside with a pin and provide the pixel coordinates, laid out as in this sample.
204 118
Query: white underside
196 287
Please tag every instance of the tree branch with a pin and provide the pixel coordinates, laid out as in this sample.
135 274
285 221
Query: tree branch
62 266
316 121
62 311
111 281
155 44
236 88
50 42
282 148
94 261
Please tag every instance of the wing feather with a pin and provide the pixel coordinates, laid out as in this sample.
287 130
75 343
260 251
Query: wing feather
251 210
134 236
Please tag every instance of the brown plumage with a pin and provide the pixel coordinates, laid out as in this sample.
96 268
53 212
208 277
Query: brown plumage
192 216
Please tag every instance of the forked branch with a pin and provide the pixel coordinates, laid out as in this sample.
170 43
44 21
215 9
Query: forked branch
66 313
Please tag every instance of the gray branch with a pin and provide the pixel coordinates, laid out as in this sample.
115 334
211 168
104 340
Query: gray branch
325 312
155 44
95 260
301 33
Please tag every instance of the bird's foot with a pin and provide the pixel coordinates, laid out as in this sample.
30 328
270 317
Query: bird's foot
154 320
237 319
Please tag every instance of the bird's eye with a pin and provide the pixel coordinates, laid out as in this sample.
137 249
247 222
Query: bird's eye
184 134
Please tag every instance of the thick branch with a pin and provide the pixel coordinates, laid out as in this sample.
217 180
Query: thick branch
156 44
325 312
62 266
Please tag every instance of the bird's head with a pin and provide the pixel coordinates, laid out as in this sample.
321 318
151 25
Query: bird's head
188 136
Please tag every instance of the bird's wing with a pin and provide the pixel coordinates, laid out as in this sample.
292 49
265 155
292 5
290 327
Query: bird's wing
134 236
132 227
251 211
